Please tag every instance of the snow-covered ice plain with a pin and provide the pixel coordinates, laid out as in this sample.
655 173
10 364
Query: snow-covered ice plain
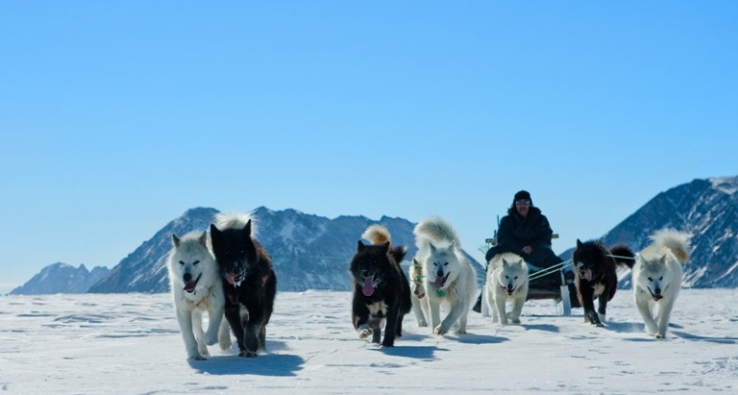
130 344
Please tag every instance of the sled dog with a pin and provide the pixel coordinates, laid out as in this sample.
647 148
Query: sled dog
595 269
507 279
249 282
417 287
381 290
657 278
450 280
196 288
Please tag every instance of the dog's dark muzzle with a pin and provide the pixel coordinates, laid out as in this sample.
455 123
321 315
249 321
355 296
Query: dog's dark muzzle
189 284
656 294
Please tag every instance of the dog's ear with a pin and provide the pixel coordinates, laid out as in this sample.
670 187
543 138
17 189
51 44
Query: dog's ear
175 240
504 263
399 253
203 239
663 259
247 228
579 244
215 234
360 246
432 247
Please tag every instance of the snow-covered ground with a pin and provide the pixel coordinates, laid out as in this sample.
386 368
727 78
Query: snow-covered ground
130 344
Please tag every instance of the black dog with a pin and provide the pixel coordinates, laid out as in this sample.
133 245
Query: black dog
249 282
596 277
381 290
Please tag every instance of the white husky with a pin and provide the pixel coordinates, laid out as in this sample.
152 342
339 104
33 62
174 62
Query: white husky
197 287
657 277
417 286
507 279
449 277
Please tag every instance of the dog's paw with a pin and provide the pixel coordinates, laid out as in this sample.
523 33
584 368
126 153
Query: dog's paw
225 344
247 354
460 331
198 357
364 331
211 338
422 324
515 321
440 330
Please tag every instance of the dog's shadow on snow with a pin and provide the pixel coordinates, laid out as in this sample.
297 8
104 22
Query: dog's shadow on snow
417 352
692 337
277 365
541 327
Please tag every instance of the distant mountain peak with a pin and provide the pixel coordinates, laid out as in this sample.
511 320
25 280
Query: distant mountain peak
728 185
307 251
61 278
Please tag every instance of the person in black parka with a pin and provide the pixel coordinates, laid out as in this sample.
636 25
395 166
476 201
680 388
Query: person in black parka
526 232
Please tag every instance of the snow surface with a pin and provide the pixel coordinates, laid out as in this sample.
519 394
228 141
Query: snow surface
130 344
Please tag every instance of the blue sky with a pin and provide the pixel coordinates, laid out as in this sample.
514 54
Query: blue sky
116 117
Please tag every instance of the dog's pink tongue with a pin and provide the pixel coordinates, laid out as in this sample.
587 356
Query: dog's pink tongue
439 283
368 288
231 278
588 275
190 286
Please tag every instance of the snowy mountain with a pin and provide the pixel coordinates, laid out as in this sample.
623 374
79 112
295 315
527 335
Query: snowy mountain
312 252
144 270
706 208
307 251
61 278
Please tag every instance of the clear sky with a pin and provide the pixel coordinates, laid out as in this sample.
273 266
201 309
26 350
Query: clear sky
116 117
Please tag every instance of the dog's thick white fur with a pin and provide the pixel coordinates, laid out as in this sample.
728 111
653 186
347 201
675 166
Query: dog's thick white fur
449 278
657 278
507 279
197 287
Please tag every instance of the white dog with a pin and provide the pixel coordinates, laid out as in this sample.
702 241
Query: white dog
657 278
197 287
417 286
507 279
449 278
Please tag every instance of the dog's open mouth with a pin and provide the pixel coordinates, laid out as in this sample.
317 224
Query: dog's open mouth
368 287
234 279
441 281
656 297
191 285
587 274
508 290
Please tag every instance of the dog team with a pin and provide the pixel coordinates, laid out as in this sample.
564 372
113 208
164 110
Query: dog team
227 273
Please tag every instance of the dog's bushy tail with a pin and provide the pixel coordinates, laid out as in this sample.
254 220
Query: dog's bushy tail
676 241
436 230
623 255
225 221
376 234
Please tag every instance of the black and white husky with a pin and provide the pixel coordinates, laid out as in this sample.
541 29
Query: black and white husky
381 290
197 288
249 282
